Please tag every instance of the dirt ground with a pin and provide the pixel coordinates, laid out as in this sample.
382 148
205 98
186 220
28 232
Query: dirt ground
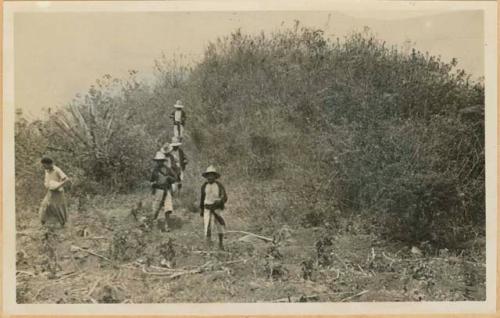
106 255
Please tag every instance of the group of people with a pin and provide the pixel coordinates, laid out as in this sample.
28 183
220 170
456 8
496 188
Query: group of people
166 181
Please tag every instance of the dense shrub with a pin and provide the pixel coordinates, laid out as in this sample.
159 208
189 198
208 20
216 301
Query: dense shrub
327 124
100 136
358 125
29 147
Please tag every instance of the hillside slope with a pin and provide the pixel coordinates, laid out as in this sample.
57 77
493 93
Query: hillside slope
119 260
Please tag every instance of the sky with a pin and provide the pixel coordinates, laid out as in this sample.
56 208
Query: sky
60 54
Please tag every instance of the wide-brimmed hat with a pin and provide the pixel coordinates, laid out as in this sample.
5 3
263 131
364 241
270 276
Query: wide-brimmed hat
159 156
178 104
175 142
210 170
166 148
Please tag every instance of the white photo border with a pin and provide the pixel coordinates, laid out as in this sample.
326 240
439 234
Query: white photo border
9 284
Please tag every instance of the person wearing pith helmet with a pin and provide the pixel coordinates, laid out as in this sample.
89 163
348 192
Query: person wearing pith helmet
179 118
161 180
212 201
171 162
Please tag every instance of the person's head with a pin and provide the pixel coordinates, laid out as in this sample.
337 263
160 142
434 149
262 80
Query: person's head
160 163
167 148
211 177
178 105
211 174
159 158
176 143
47 163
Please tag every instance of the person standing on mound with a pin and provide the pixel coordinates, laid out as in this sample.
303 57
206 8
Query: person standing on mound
162 179
171 162
212 201
179 118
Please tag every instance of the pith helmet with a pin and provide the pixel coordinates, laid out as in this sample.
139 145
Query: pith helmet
178 104
211 170
175 142
160 156
166 148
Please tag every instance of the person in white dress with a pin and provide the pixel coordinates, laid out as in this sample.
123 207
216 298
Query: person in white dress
53 206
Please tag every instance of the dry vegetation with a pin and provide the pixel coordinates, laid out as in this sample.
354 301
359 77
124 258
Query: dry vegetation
364 166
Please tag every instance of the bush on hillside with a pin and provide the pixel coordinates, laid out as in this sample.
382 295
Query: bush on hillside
96 139
375 129
349 124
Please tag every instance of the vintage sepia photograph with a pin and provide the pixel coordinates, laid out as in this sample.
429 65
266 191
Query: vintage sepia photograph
215 153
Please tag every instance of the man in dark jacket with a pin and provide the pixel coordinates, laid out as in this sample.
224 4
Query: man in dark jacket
212 201
162 179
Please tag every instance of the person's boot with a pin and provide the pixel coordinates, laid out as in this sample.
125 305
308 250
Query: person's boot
156 214
166 228
221 244
161 225
208 241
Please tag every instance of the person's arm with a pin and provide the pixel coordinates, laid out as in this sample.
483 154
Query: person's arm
223 194
62 177
61 174
164 148
55 185
154 176
154 180
62 183
171 175
174 167
46 181
182 157
202 199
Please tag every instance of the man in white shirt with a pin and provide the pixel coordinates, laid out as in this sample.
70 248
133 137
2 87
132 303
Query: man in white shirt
179 118
212 201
